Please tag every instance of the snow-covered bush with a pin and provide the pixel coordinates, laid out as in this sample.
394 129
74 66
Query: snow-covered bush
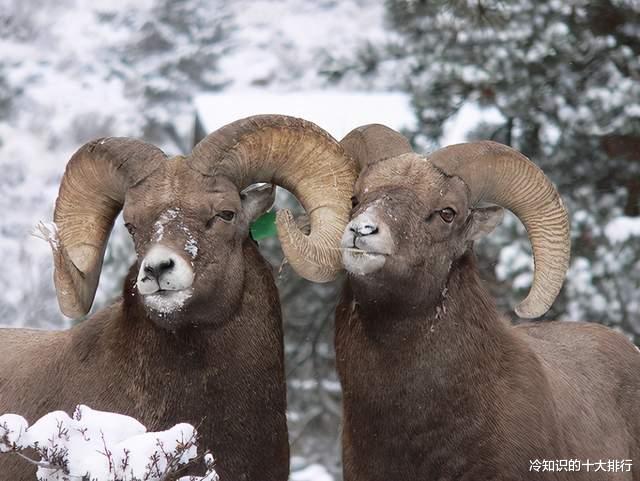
102 446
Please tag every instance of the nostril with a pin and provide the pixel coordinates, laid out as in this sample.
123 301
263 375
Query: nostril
165 266
361 230
368 229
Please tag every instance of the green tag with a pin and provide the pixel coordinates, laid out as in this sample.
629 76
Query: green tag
264 226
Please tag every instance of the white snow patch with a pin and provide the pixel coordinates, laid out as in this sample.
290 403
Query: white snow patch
144 446
212 476
166 216
514 258
191 247
113 426
172 213
470 115
12 430
336 112
523 280
313 472
159 231
619 230
166 302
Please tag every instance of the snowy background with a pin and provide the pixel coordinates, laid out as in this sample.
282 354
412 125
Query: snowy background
559 80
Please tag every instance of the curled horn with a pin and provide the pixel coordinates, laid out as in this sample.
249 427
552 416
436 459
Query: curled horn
304 159
91 195
370 143
501 175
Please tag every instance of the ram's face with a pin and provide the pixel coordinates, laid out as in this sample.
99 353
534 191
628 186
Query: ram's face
188 231
415 216
408 222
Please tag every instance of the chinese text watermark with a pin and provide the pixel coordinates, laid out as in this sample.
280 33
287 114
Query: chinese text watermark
567 465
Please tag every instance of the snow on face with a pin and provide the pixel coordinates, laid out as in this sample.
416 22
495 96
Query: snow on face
165 217
165 277
166 302
190 245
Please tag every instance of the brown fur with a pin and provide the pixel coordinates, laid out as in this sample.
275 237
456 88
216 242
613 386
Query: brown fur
218 363
437 386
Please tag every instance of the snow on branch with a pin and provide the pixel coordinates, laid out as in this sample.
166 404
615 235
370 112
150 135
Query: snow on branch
101 446
47 231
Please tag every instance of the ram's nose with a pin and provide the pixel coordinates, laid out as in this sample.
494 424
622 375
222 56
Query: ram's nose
364 224
156 268
164 269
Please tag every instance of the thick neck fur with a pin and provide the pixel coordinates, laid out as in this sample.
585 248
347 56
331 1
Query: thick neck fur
424 391
379 299
387 307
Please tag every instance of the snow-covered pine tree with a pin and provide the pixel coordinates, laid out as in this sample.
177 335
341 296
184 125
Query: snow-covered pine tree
172 56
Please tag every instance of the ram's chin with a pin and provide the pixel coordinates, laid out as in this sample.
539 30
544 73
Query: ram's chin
167 303
360 263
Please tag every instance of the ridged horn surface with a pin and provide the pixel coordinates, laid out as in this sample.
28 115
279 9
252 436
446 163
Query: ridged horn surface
304 159
91 195
498 174
373 142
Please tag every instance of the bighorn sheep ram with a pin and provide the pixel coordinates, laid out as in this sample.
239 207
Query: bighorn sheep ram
197 335
437 385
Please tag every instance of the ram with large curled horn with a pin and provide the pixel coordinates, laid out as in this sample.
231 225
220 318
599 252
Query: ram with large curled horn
436 384
197 335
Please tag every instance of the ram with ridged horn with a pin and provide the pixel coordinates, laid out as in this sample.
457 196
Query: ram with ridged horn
436 383
197 335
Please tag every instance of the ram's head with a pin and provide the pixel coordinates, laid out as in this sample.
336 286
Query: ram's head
189 216
414 216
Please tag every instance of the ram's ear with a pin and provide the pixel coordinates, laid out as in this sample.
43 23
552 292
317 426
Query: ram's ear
257 199
482 221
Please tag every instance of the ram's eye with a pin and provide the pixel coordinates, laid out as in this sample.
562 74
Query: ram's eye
226 215
131 228
354 202
448 214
